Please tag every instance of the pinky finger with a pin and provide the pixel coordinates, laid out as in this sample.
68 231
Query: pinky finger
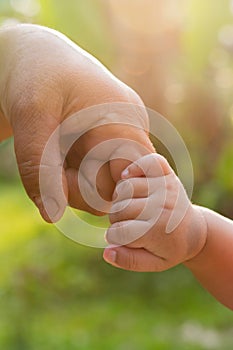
131 259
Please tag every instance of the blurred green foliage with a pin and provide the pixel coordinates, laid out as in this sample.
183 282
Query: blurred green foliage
55 294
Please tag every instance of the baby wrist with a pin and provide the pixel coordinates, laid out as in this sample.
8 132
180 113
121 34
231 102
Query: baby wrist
200 230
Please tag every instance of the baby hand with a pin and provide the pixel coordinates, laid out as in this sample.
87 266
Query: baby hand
154 224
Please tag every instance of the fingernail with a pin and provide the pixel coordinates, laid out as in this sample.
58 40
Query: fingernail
125 173
111 255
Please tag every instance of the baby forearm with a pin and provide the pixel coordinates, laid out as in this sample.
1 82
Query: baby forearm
213 267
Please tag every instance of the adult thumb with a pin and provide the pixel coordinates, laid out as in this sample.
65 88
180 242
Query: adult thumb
40 163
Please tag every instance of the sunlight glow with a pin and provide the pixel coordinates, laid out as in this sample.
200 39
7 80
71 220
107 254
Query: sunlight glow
175 93
150 17
226 36
28 8
219 58
224 78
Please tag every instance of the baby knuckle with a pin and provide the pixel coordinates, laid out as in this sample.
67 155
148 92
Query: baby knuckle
124 189
170 181
117 208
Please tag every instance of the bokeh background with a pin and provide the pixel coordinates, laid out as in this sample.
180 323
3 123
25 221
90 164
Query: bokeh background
55 294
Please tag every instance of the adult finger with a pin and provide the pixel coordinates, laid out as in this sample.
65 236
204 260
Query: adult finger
39 162
77 200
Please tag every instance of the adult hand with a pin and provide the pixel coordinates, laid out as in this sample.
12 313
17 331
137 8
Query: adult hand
45 78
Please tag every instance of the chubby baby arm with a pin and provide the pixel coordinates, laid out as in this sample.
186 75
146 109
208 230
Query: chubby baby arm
159 228
213 267
154 225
